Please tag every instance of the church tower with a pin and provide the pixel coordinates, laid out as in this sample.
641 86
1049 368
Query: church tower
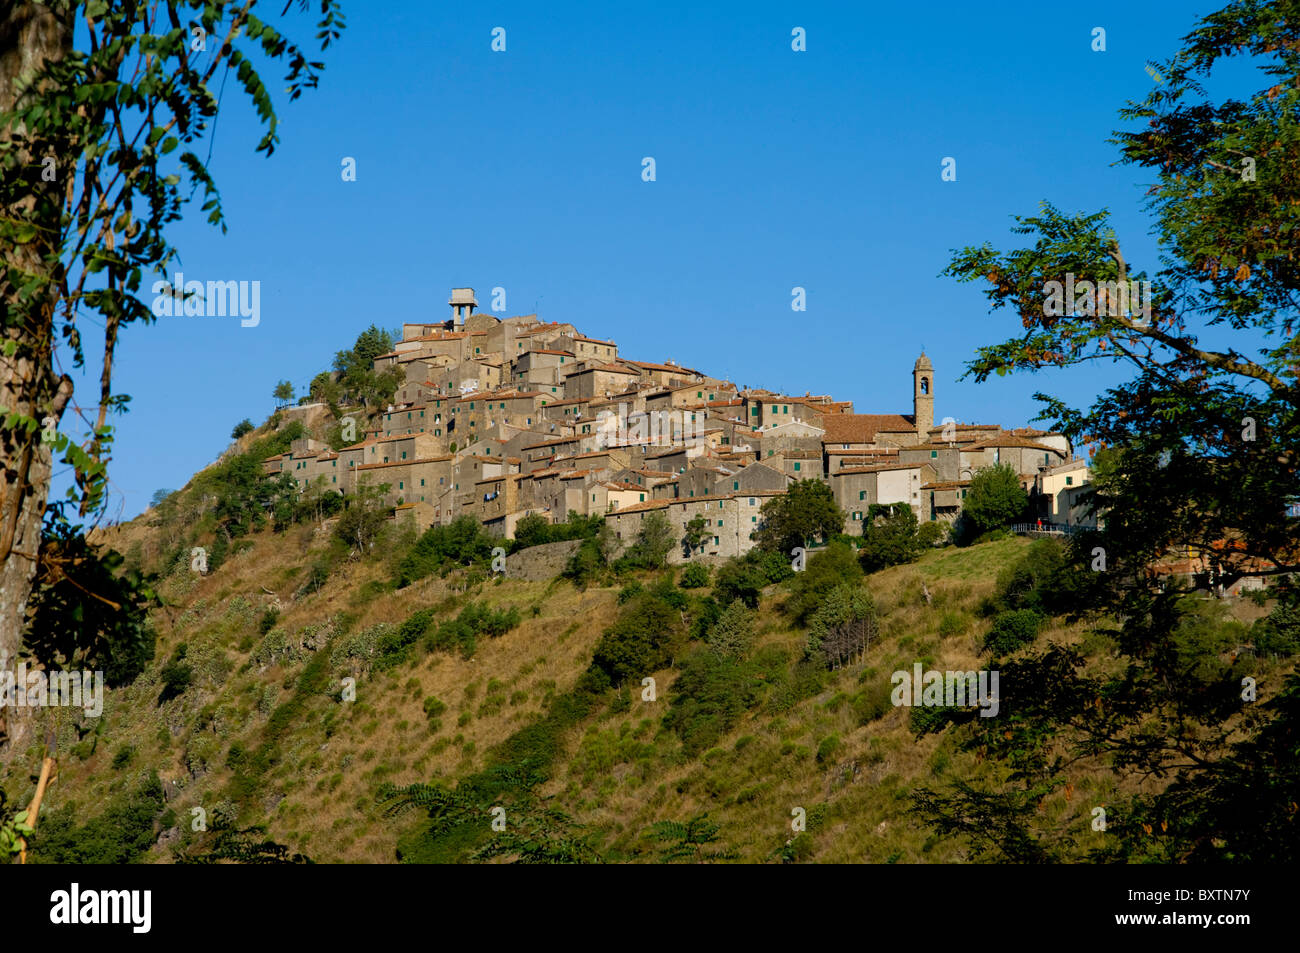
923 397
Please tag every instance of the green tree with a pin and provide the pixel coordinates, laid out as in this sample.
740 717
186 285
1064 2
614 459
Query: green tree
805 512
1205 436
241 428
283 393
995 499
652 544
364 518
889 537
104 115
696 534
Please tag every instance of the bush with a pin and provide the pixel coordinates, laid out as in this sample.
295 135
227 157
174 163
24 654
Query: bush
241 428
462 542
931 534
695 576
641 640
709 697
176 675
827 748
1035 581
732 634
842 626
834 566
120 835
1012 630
1278 633
268 620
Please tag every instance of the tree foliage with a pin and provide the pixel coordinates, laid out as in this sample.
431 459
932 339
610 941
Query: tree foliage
806 512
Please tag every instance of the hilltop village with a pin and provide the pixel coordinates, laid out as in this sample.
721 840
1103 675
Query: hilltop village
502 418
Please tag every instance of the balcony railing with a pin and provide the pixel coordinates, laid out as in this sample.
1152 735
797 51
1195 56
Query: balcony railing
1059 529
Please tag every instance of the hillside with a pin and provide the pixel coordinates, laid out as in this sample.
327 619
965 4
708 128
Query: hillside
255 731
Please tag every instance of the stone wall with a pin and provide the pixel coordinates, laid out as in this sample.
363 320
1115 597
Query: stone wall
540 563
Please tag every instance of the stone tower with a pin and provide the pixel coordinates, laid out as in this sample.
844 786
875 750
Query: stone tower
923 397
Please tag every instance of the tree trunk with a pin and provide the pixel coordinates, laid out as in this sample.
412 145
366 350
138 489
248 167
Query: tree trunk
31 34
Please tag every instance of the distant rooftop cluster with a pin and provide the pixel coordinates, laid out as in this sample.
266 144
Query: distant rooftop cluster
500 418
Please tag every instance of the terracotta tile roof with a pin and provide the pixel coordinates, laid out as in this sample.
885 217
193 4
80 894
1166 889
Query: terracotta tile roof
862 428
1009 441
878 468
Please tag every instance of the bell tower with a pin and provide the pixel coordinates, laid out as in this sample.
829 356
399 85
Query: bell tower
923 396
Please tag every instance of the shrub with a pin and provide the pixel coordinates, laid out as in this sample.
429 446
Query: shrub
834 566
1278 633
459 543
241 428
1012 630
842 626
176 675
732 634
640 641
709 697
268 620
695 576
827 748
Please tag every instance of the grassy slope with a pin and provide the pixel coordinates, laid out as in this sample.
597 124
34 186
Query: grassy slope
623 772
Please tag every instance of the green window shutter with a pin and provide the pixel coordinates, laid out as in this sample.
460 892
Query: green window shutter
796 466
1069 481
862 494
735 484
934 454
719 522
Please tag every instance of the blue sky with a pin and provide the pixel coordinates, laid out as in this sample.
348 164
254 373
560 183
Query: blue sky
775 169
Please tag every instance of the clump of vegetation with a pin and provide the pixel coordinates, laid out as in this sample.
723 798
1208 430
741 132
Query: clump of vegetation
1012 630
177 675
827 570
694 576
462 542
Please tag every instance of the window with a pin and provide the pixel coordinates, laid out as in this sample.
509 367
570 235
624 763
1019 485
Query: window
796 466
642 500
934 454
403 454
862 494
753 519
1069 481
421 484
700 393
751 501
401 485
715 541
754 412
785 408
719 522
963 494
735 484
